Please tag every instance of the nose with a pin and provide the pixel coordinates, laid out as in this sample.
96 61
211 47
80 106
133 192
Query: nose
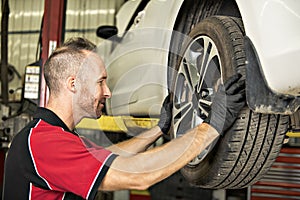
107 92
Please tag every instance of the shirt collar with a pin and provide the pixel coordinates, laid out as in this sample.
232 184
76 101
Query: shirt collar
51 118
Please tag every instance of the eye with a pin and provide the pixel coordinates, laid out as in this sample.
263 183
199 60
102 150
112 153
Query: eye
101 82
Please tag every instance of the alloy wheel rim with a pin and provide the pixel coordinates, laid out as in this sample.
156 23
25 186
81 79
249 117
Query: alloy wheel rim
198 77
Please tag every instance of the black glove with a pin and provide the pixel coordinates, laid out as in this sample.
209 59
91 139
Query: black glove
228 102
165 120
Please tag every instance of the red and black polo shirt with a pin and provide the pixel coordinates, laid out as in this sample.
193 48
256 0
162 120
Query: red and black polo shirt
46 160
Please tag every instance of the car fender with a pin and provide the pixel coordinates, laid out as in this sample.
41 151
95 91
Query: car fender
141 34
273 28
125 13
167 10
265 21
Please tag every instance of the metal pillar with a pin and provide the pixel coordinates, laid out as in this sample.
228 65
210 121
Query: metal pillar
52 36
4 56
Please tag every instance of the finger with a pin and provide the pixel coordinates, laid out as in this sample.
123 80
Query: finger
232 80
166 100
236 87
239 97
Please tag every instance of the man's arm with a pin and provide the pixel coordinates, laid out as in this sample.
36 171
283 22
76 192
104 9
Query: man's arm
141 142
145 169
136 144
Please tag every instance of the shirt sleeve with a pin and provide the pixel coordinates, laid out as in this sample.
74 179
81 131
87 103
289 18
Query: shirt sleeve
67 164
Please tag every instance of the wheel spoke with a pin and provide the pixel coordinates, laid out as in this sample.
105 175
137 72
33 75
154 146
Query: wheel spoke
183 110
210 52
180 116
196 120
203 106
185 70
194 87
193 55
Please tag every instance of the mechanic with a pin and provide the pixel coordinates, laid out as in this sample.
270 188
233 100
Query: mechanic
49 160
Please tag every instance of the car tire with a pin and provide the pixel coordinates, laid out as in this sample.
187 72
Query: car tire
248 149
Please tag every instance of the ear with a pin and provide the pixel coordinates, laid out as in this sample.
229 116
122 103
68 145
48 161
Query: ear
71 84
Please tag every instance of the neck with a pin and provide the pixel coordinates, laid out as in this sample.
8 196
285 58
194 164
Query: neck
63 110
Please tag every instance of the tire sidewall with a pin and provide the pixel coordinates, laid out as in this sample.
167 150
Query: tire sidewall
213 28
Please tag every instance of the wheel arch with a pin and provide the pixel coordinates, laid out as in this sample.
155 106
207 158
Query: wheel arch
212 7
260 97
185 20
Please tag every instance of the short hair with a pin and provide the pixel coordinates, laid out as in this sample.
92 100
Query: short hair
80 44
65 61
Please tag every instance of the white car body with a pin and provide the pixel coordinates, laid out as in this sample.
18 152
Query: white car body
273 26
188 48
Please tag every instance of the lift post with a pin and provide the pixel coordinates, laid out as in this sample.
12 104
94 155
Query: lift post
52 35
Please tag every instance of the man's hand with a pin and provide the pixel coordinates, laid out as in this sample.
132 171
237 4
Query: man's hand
165 115
228 102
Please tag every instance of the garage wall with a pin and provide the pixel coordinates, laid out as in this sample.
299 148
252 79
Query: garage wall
23 31
83 18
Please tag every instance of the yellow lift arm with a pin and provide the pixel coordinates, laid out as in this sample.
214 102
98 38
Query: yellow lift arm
117 123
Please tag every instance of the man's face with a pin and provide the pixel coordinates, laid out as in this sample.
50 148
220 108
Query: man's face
93 91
